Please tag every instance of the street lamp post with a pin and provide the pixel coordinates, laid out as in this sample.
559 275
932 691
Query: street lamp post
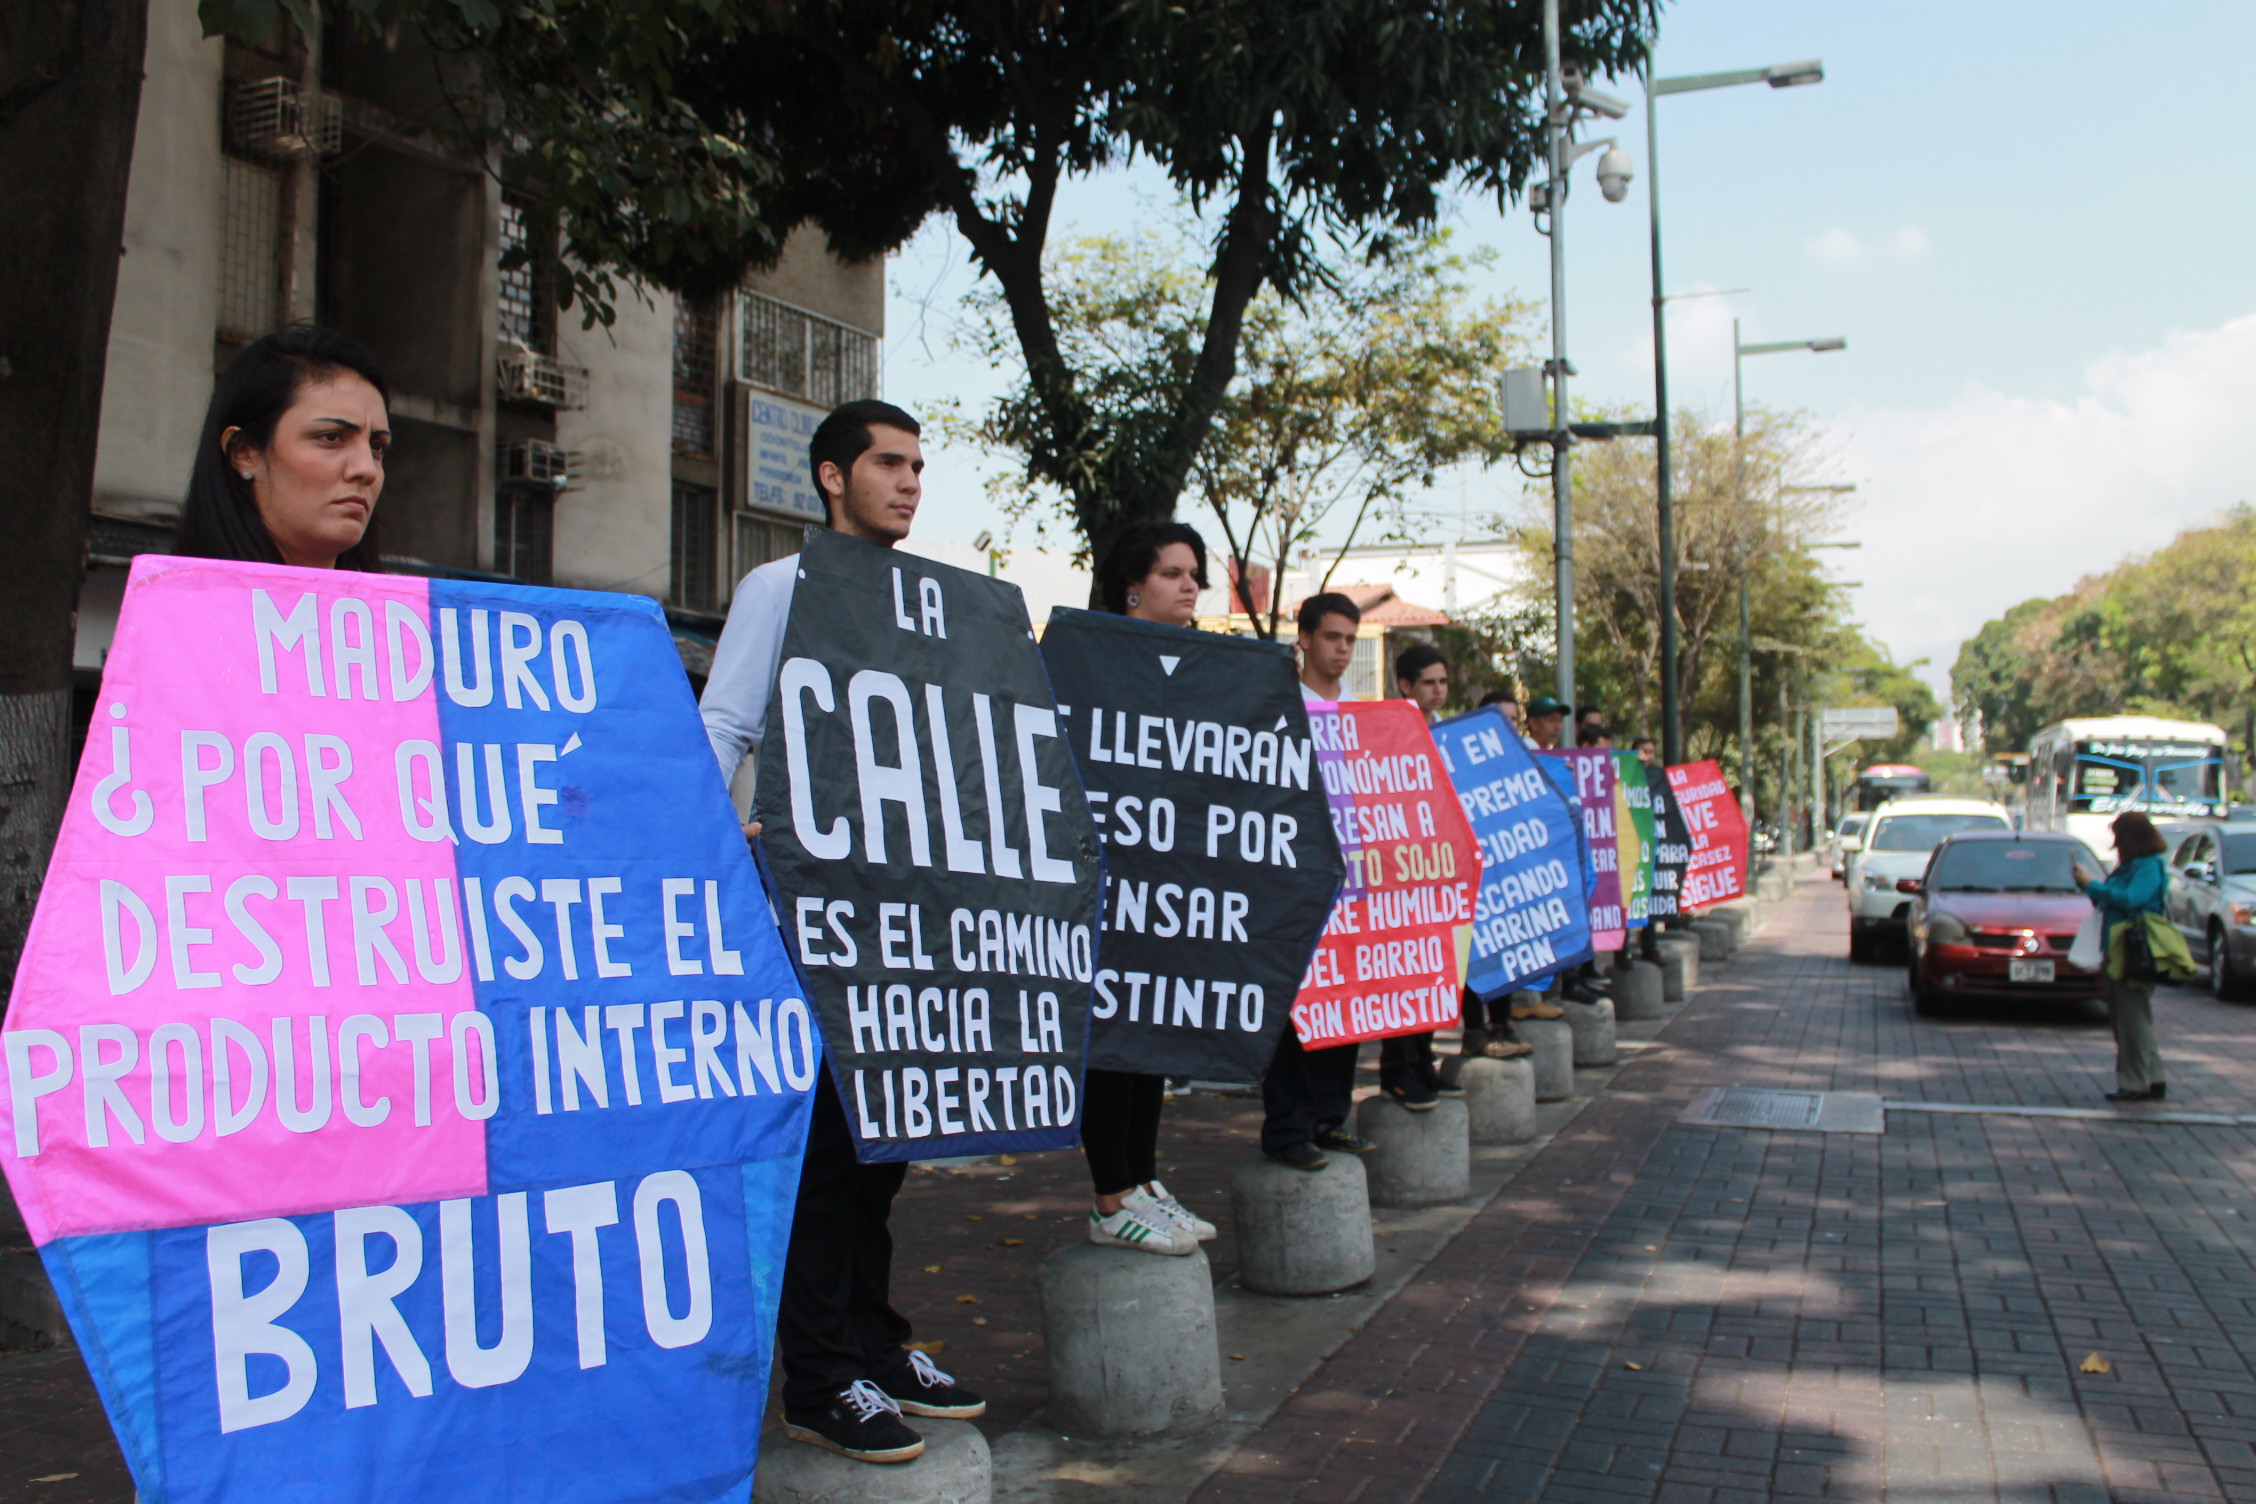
1782 76
1739 353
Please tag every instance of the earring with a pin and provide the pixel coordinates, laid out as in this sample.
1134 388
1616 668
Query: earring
244 473
1134 599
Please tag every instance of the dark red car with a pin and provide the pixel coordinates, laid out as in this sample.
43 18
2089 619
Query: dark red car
1993 917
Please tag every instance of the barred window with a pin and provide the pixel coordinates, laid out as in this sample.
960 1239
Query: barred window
525 533
695 582
250 271
527 319
1361 681
697 358
803 355
760 540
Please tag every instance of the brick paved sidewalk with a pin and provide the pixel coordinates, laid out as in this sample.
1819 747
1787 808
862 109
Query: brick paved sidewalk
1680 1314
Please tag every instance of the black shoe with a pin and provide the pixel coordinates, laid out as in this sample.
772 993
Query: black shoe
1300 1156
1442 1087
859 1420
920 1388
2158 1091
1415 1095
1576 992
2151 1094
1340 1141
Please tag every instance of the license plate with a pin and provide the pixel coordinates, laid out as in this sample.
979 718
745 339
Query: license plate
2028 971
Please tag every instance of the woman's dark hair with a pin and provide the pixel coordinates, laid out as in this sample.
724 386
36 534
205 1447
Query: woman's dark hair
220 519
2135 836
1136 552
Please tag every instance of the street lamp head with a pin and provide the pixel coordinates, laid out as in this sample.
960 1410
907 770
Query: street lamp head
1823 345
1593 100
1614 174
1794 75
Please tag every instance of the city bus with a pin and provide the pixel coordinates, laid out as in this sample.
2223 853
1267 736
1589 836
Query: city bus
2083 773
1883 781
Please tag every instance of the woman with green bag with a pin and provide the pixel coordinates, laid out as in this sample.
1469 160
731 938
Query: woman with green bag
2125 898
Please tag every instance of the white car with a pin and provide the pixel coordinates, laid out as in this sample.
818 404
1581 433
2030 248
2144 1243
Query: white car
1903 833
1846 842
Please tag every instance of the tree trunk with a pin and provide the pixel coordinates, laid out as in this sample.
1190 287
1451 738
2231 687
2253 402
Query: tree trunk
70 94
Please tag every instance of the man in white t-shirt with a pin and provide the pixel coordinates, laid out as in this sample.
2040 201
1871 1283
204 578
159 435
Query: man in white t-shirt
847 1375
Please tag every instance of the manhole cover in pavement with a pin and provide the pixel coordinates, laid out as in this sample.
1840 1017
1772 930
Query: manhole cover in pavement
1809 1111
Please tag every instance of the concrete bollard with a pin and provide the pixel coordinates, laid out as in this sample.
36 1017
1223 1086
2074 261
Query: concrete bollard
1740 915
1593 1026
1680 964
1637 992
1715 939
1499 1101
1553 1058
1302 1233
1131 1341
1773 887
1423 1158
954 1469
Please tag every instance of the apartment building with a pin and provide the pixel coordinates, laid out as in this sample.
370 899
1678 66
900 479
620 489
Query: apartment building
663 455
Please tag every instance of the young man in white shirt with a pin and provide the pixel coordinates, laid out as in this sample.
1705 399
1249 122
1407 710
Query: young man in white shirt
847 1375
1307 1094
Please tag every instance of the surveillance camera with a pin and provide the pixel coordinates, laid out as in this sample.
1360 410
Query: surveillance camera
1597 103
1614 173
1539 197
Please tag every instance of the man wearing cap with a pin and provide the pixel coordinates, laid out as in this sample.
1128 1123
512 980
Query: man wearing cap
1546 721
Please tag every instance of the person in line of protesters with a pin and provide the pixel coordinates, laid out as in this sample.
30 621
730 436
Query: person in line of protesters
1509 703
1594 736
848 1374
1546 727
290 464
1647 753
1406 1061
1588 718
1422 675
1153 572
1307 1094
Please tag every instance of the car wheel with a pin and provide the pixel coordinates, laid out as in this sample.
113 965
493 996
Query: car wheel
1860 944
1924 1000
2225 980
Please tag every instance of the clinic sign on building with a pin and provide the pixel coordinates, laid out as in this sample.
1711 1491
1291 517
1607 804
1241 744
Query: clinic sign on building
776 478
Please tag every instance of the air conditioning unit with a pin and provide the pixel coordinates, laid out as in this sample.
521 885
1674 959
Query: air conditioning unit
529 376
539 462
275 119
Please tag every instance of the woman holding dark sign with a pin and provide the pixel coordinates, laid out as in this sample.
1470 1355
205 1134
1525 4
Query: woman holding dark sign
291 460
1153 572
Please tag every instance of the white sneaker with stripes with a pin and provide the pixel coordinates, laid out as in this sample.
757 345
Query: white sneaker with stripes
1149 1232
1153 1203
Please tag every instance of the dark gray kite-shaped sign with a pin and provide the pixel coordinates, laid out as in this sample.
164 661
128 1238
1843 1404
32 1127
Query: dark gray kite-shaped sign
1219 850
937 870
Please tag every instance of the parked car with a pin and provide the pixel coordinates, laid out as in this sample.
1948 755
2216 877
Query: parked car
2212 901
1896 846
1846 842
1993 915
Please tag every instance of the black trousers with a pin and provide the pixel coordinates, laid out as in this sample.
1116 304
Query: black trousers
1407 1060
836 1323
1120 1128
1305 1092
1496 1013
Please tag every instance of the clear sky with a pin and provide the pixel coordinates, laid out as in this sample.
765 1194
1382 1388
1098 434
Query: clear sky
2031 220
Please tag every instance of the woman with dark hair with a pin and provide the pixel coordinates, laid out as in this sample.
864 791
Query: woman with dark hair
1153 572
2133 890
291 461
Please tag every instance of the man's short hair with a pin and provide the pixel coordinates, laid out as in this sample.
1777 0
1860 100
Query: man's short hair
844 436
1415 660
1499 697
1643 741
1330 603
1585 712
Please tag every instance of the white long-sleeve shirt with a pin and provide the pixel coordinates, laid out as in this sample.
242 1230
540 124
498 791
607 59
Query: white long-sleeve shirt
735 702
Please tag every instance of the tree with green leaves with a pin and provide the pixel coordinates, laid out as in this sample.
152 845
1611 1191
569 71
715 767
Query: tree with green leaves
679 140
1346 403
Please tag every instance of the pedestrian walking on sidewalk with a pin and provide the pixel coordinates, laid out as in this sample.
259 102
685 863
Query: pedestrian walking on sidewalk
1153 572
2134 890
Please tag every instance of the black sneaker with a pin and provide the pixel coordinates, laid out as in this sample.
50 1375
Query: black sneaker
1300 1156
861 1421
1415 1095
920 1388
1340 1141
